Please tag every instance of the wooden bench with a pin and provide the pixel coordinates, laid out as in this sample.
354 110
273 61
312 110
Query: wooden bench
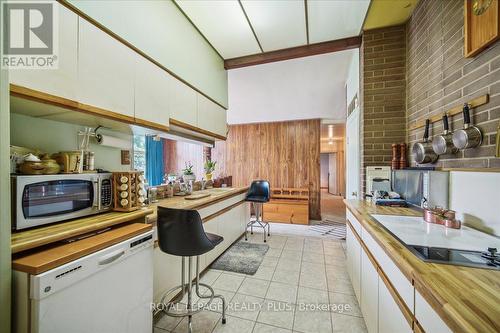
287 205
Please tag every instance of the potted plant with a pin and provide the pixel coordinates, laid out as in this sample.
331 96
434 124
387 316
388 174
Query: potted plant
188 173
209 168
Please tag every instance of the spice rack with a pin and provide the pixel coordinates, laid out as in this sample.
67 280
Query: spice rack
128 191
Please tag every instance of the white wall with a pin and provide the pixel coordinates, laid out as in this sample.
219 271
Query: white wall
352 83
474 196
159 29
52 136
324 166
304 88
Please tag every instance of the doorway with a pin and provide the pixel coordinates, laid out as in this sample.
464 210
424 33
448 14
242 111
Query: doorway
332 167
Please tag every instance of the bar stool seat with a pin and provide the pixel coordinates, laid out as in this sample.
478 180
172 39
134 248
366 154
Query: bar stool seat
181 233
215 239
258 194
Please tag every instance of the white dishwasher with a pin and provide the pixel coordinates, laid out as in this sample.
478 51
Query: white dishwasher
109 291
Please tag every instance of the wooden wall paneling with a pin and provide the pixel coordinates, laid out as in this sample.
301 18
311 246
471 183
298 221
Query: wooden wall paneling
284 153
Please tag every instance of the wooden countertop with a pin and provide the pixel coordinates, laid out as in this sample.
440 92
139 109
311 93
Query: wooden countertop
42 261
467 299
216 195
29 239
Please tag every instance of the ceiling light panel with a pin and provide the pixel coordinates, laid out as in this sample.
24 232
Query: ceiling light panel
330 20
278 24
224 24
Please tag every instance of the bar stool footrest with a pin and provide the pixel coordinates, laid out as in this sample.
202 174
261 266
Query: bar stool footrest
167 307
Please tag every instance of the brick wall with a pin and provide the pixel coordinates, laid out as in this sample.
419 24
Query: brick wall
383 120
439 77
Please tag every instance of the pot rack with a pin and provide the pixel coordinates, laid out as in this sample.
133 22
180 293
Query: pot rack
473 103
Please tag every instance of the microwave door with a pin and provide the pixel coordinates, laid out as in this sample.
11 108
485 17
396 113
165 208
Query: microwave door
53 200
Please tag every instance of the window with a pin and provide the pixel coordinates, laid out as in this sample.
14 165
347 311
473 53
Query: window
140 153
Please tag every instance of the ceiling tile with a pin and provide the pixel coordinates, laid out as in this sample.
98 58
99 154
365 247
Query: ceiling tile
330 20
224 24
278 24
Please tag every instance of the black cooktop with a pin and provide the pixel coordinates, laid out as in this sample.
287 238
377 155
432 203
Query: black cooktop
489 259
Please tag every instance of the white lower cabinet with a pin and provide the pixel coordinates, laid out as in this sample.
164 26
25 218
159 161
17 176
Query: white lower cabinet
379 308
354 261
390 317
427 317
167 268
369 293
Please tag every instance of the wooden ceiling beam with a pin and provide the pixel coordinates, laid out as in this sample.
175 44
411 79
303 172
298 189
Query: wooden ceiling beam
294 52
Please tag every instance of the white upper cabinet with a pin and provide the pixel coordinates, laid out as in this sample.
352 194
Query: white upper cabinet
211 117
62 81
151 92
105 71
183 103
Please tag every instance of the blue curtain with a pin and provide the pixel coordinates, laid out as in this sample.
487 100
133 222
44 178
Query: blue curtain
154 161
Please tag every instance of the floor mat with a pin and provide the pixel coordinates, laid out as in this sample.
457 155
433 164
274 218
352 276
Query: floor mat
330 227
243 257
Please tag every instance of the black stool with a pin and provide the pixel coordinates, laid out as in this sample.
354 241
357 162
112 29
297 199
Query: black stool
258 194
180 233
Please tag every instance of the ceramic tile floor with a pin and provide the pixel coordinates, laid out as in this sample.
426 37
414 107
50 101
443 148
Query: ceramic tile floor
301 286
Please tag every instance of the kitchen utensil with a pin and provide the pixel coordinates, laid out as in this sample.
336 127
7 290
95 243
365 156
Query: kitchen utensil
32 168
443 144
422 151
402 157
69 161
50 166
468 137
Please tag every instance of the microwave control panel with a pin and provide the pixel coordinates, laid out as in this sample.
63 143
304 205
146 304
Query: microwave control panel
106 194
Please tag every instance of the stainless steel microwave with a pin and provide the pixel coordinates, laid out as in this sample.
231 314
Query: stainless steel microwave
43 199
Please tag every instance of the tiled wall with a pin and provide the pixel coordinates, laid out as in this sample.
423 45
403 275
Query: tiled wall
439 77
383 59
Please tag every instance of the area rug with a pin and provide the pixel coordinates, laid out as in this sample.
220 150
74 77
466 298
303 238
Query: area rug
243 257
330 228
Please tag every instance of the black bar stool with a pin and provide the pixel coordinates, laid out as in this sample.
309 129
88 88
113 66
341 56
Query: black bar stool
181 233
258 194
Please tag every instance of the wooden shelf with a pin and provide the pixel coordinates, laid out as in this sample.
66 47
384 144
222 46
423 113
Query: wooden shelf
474 103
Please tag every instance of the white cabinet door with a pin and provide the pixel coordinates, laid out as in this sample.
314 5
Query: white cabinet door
105 71
427 317
151 92
211 117
183 103
390 317
166 273
62 81
353 249
369 293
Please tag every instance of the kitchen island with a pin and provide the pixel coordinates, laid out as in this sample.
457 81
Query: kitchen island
224 212
425 297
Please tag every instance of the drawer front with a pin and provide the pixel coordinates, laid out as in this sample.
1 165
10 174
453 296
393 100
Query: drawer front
212 209
399 281
354 221
287 213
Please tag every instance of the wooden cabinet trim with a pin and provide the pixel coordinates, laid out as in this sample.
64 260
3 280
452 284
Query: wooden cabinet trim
39 262
46 98
189 127
134 48
151 125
